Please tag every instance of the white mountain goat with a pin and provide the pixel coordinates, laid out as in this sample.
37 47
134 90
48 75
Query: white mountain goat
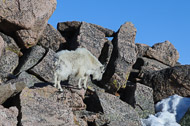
79 63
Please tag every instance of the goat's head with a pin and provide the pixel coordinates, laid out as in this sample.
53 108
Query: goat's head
97 74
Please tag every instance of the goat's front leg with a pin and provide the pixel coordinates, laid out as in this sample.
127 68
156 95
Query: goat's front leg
79 83
85 82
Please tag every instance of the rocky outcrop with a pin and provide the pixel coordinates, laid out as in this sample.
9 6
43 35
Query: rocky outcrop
170 81
27 19
118 99
8 117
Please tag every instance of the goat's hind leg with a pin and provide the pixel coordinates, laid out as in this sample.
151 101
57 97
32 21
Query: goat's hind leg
55 80
59 85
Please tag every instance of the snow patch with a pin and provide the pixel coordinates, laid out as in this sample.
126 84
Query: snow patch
169 112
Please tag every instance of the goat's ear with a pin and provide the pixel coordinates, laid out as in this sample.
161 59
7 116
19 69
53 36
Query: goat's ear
103 67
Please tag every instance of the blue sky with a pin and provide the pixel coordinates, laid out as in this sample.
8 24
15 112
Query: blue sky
155 20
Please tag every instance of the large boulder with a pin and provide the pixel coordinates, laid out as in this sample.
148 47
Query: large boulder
170 81
43 106
122 58
106 31
90 38
46 67
30 79
117 112
140 97
27 19
8 117
51 38
30 58
9 57
144 103
11 88
164 52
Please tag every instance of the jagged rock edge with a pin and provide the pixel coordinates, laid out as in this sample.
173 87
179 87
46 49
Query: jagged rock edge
35 74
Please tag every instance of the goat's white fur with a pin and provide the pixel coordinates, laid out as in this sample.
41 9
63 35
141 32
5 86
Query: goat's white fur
80 63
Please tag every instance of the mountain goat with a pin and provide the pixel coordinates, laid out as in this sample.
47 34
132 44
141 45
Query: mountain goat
79 63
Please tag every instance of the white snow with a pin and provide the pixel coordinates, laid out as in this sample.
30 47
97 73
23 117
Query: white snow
169 112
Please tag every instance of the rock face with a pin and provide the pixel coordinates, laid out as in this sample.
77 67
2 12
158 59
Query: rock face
122 58
8 117
11 88
42 106
26 19
51 38
169 81
164 52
